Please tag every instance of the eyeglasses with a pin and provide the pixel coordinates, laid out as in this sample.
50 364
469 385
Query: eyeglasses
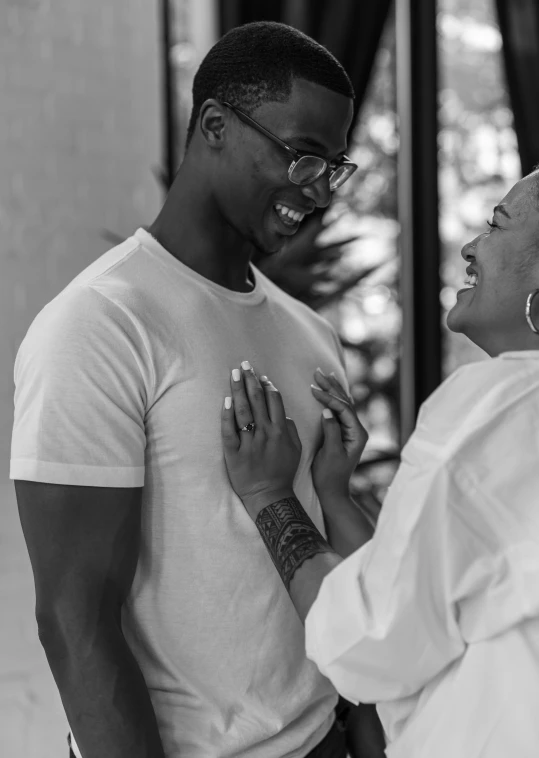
305 168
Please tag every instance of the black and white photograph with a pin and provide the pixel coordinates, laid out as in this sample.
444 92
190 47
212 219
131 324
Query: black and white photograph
269 379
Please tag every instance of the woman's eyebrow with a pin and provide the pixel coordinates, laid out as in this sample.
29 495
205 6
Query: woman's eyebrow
501 209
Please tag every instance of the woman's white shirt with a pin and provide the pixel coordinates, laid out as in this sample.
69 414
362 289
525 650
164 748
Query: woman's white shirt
436 619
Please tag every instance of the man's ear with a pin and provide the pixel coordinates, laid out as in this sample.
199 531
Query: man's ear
213 121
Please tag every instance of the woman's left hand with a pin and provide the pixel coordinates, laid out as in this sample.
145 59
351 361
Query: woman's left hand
261 463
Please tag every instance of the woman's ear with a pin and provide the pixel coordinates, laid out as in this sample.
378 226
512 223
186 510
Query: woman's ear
532 311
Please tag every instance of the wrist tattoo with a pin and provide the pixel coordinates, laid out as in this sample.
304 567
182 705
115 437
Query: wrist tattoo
290 536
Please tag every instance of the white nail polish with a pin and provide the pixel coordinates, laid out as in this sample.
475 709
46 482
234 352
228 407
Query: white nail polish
326 413
314 387
263 378
236 374
246 366
228 403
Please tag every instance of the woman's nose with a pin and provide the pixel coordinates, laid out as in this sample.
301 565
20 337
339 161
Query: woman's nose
468 251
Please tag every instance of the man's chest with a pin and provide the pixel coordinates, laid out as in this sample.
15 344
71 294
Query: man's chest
183 422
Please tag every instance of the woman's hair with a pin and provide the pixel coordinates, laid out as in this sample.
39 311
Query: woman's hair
256 63
535 175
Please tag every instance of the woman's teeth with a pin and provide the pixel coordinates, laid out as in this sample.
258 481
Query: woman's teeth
293 215
472 280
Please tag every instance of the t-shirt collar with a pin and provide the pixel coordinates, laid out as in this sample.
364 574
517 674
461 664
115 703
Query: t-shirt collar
253 297
516 354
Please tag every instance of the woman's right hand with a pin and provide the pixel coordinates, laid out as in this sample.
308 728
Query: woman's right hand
344 440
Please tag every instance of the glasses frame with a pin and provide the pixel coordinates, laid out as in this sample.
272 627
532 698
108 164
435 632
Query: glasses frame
297 154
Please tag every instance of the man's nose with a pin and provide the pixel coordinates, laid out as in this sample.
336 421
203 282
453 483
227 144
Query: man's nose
318 191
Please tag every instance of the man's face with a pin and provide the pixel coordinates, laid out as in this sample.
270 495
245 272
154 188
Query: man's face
506 261
253 174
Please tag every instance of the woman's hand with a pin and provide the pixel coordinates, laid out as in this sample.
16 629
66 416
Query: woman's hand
344 440
261 463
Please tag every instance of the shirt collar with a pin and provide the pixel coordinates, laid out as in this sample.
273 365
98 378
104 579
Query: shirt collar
516 354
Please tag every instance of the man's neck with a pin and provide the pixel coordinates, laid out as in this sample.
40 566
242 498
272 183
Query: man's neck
191 228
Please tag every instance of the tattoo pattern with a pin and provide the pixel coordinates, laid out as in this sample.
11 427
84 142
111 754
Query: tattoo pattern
290 536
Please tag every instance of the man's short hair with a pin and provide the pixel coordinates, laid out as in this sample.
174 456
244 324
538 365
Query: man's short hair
257 63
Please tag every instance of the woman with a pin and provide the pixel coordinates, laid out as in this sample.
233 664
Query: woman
436 617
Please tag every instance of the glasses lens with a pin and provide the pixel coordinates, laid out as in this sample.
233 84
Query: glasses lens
340 176
307 169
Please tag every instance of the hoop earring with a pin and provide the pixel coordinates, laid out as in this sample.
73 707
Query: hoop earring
528 311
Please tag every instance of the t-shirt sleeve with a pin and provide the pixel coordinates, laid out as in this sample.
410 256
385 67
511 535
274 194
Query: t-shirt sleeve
83 381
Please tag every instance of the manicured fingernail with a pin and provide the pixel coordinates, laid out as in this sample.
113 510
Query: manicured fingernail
320 371
236 374
268 383
246 366
326 413
228 403
314 387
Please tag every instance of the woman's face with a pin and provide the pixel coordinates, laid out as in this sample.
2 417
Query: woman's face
506 261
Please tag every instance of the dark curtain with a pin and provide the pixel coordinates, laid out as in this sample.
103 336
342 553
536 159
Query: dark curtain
519 25
349 28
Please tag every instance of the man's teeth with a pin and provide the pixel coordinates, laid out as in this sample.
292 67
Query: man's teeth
294 215
472 280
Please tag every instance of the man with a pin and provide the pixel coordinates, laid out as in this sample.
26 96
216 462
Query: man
165 626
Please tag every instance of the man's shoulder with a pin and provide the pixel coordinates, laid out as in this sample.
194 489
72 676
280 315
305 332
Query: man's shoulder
117 286
83 339
86 318
78 307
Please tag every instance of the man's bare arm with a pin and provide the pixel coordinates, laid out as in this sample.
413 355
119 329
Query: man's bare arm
83 544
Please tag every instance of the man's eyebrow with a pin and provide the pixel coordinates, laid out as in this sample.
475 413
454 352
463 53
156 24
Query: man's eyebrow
501 209
318 146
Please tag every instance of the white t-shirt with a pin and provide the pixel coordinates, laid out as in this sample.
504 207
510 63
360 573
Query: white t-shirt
436 619
120 382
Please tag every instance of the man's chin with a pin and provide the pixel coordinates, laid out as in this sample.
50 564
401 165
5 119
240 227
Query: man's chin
266 249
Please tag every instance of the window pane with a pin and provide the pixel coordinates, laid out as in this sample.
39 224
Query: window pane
478 151
368 316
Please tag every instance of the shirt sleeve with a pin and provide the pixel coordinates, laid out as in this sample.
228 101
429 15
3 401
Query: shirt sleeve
454 561
83 380
383 624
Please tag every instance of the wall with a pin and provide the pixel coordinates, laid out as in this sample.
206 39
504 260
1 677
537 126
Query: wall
79 135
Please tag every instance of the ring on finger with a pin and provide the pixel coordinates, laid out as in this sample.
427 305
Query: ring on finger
248 427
